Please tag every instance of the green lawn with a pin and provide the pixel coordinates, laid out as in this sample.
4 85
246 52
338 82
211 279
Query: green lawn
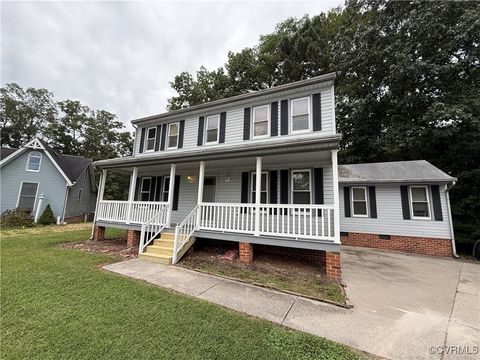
58 304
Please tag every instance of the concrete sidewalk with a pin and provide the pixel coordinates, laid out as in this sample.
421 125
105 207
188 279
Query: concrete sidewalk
388 319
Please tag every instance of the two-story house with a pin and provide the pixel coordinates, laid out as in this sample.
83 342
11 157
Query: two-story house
257 168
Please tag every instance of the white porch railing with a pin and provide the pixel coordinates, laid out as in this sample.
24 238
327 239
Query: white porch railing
152 227
297 221
184 231
118 211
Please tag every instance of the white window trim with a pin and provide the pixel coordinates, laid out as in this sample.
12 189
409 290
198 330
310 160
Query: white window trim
205 142
168 135
309 184
364 188
147 138
253 187
20 191
164 181
429 217
141 187
39 164
290 123
79 195
268 122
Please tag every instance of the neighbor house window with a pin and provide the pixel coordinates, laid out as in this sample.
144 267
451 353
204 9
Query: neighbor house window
420 202
166 186
359 201
145 189
79 196
212 129
151 135
300 115
34 161
261 119
263 187
173 135
27 196
301 187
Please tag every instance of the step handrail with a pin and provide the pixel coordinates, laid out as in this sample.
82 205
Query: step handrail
152 227
184 231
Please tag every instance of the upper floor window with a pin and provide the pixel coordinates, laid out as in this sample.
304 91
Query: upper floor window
261 119
301 186
151 136
420 202
300 115
212 129
34 161
359 201
263 187
173 135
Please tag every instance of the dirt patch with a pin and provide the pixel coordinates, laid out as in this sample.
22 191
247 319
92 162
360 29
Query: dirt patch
269 270
116 247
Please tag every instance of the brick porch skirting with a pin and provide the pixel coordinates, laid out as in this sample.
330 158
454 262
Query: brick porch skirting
410 244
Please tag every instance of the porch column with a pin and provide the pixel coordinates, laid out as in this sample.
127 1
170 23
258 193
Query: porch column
101 188
336 199
131 193
258 198
201 176
171 186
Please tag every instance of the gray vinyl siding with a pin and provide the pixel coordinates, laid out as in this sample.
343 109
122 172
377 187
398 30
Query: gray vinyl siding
390 218
51 183
87 202
234 119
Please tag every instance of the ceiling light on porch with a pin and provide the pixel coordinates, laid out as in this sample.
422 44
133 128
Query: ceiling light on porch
190 179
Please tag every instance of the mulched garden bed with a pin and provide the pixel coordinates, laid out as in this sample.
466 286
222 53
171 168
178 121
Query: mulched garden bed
116 247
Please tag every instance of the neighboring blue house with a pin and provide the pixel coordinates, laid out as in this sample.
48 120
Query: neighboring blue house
36 175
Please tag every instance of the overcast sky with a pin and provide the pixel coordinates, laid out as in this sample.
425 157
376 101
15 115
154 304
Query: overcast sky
120 56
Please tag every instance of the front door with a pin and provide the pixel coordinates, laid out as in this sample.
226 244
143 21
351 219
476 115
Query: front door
209 188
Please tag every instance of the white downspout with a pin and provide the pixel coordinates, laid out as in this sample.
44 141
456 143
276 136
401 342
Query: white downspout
452 234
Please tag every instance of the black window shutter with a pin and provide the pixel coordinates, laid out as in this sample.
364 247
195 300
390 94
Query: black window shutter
372 198
274 119
405 202
437 205
157 137
223 124
317 112
273 186
246 124
244 194
158 190
283 186
201 127
284 117
153 184
176 192
164 136
142 141
181 132
137 189
318 188
346 201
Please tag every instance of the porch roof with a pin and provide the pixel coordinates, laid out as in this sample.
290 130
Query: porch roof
265 147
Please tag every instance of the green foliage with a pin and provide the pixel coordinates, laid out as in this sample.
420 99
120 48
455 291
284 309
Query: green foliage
47 217
16 218
408 84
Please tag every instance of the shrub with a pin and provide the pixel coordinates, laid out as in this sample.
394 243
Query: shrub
16 218
47 216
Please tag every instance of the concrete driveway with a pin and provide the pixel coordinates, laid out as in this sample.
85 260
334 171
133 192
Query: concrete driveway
405 306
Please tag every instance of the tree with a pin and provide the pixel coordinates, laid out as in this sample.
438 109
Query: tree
47 217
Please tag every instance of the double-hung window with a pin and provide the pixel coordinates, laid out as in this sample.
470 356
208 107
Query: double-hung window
263 187
27 196
301 187
261 119
359 201
300 115
151 136
166 186
420 202
145 189
212 129
173 135
79 195
34 161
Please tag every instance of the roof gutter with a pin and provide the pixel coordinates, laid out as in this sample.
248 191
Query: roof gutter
452 234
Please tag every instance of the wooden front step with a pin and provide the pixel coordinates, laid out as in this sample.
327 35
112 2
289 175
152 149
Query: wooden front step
159 249
164 259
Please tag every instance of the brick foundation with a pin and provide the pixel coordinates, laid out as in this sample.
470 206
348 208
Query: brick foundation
246 252
98 233
78 219
133 238
333 268
314 256
410 244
